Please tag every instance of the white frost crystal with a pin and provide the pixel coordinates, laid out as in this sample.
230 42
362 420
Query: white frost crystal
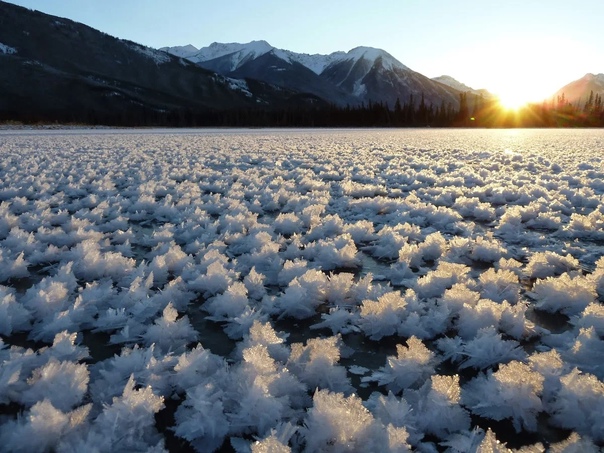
413 364
513 392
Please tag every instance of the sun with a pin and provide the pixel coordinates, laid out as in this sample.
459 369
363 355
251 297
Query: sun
515 89
513 100
518 69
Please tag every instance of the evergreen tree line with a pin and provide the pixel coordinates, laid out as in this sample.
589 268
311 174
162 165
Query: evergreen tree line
472 111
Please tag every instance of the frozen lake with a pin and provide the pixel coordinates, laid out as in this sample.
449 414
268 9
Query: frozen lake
303 290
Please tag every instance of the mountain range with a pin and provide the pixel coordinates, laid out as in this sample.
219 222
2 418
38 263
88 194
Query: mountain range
55 68
361 75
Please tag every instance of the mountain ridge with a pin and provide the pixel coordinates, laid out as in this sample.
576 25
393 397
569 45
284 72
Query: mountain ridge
319 63
361 75
316 62
57 68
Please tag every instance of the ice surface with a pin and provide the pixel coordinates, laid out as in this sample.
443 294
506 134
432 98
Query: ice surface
301 290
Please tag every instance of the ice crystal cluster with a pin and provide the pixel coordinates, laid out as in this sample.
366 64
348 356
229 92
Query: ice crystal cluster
305 291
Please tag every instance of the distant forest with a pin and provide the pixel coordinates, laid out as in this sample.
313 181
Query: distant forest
473 111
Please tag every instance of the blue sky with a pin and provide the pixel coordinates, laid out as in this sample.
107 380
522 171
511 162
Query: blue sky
532 45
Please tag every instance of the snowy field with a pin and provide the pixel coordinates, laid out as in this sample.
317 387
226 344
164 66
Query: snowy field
317 291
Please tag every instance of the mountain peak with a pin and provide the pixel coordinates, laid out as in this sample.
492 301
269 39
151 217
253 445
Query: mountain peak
372 54
190 48
181 51
594 77
368 52
258 47
232 54
453 83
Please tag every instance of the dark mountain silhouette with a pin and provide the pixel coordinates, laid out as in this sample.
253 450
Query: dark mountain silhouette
57 68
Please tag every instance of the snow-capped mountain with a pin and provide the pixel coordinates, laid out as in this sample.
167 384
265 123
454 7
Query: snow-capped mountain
230 56
579 90
363 74
237 54
261 61
373 75
350 69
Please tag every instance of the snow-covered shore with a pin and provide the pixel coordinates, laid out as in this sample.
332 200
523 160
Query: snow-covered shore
307 290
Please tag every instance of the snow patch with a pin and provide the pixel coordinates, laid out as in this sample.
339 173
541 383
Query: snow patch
7 50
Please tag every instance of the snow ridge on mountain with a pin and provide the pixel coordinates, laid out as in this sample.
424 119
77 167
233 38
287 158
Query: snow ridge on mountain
315 62
241 53
238 53
181 51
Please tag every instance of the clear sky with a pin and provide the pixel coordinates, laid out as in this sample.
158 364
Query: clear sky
533 46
